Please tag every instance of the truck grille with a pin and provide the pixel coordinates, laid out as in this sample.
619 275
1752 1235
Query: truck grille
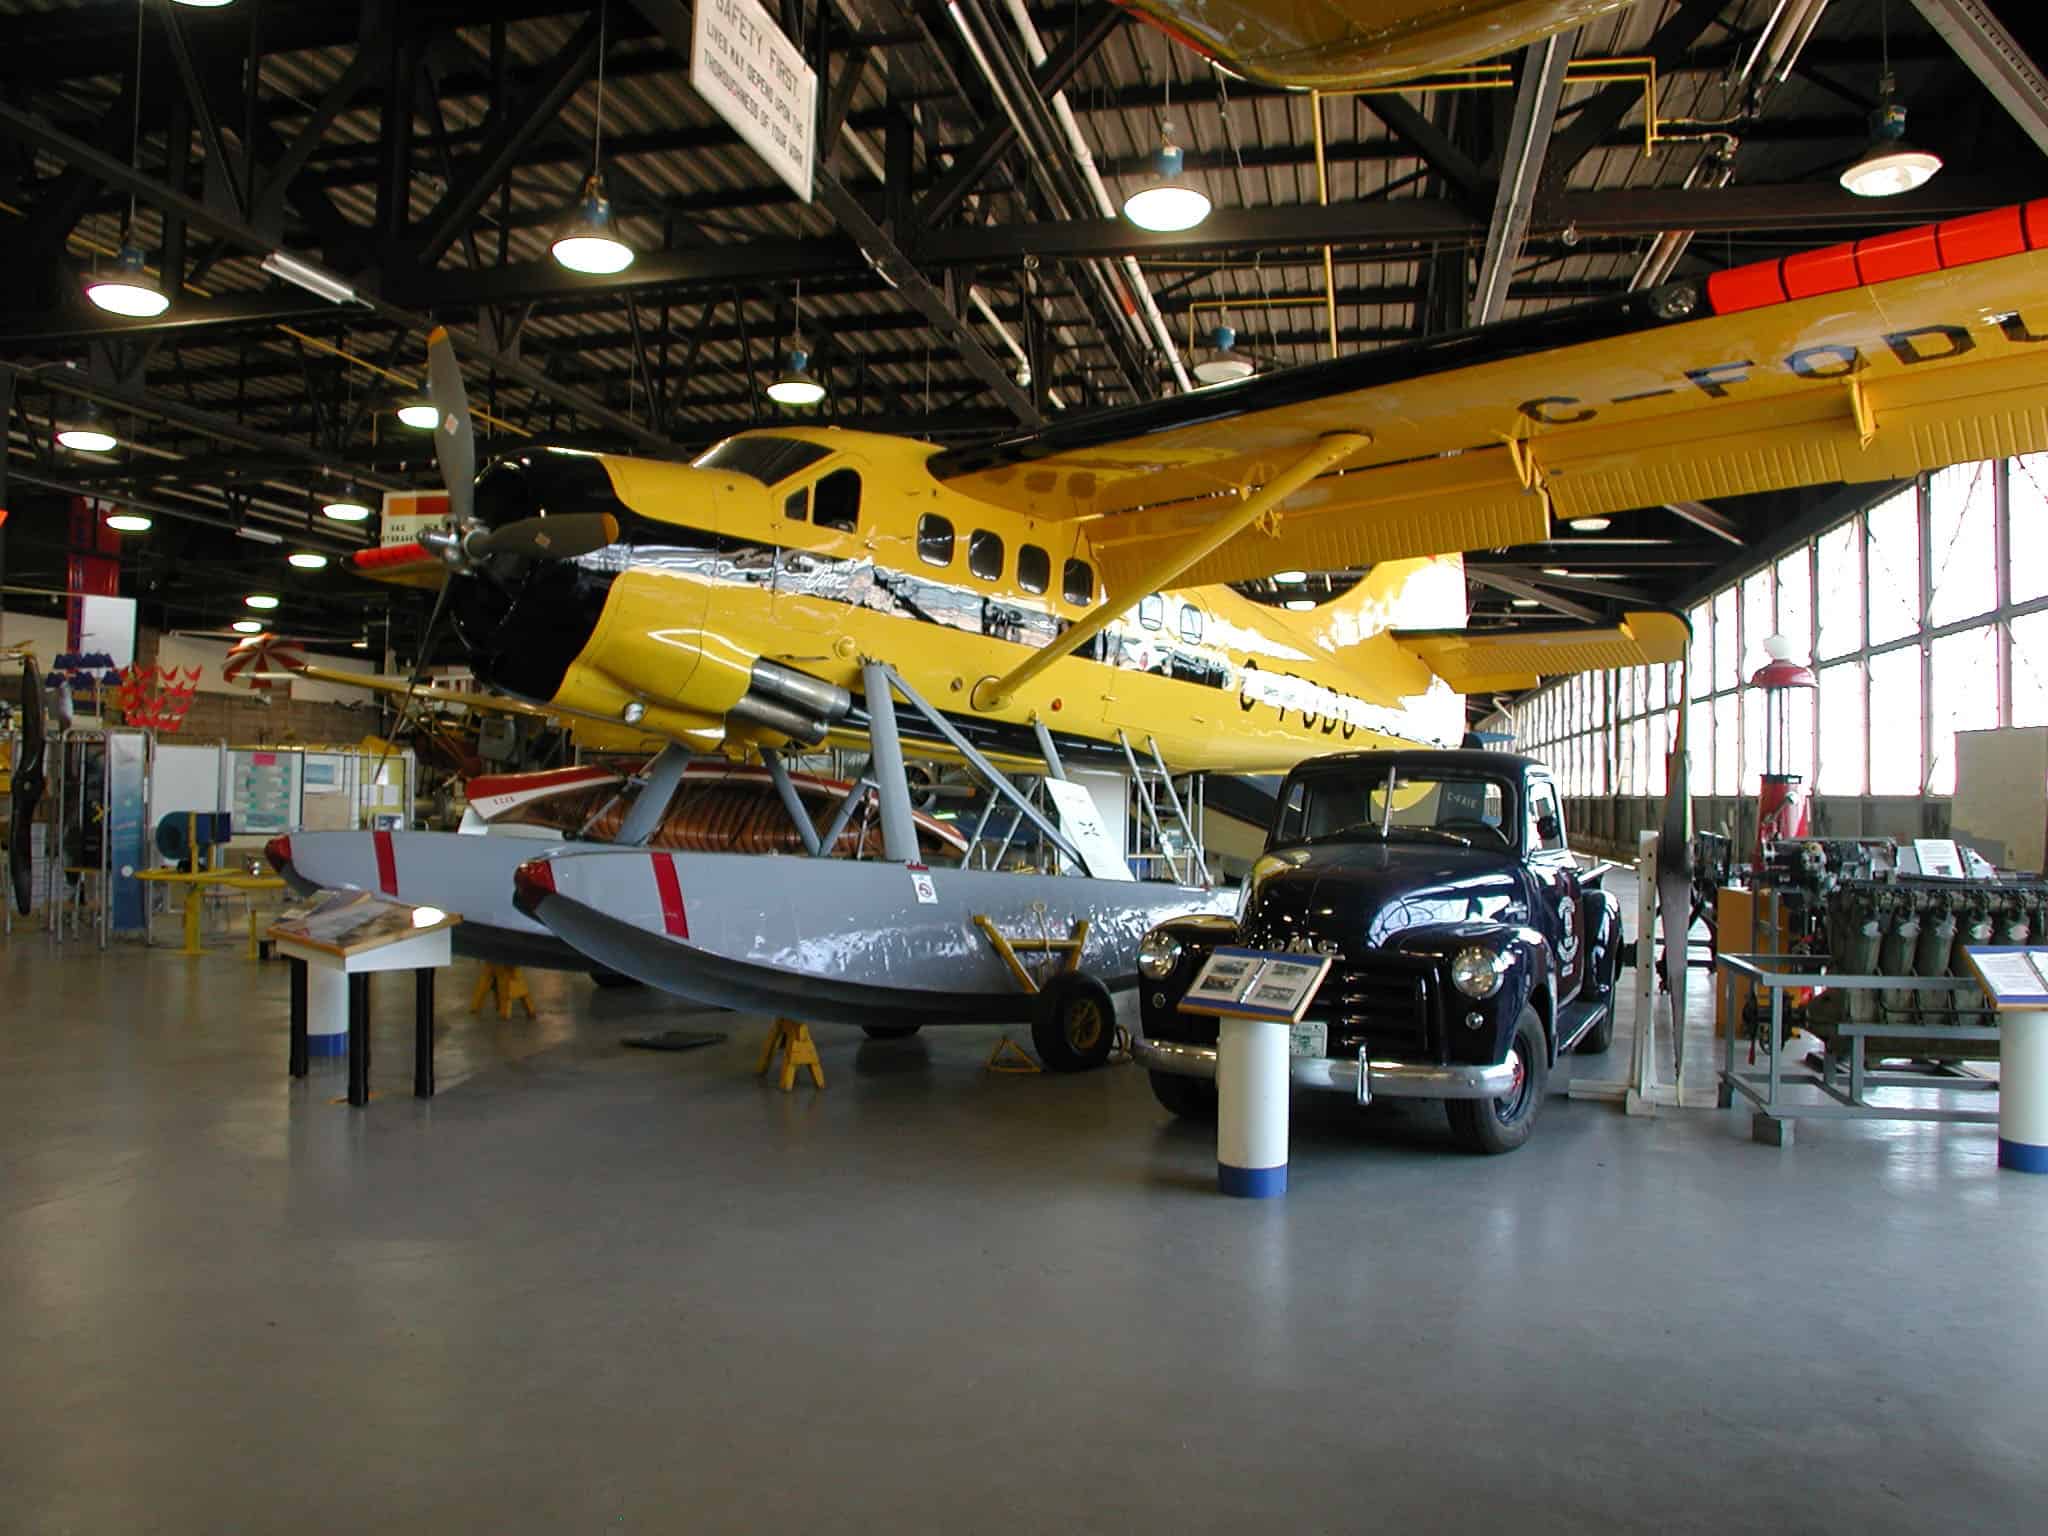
1387 1005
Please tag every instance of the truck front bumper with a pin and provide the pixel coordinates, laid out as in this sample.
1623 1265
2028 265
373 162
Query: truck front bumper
1363 1079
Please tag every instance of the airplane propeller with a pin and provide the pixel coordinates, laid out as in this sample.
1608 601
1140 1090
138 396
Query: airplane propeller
454 440
28 786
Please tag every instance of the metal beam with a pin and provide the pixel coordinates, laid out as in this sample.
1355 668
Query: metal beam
1700 515
478 177
1514 586
1535 115
1996 58
1604 112
1419 134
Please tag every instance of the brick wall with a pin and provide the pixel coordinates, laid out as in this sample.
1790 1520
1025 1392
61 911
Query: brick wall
246 720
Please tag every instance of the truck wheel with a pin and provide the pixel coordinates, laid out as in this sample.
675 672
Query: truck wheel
1191 1098
1500 1125
890 1031
1073 1025
1596 1040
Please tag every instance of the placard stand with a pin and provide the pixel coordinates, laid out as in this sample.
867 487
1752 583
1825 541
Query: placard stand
1256 997
2015 979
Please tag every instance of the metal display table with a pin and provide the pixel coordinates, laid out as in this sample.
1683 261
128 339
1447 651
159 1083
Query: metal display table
1846 1085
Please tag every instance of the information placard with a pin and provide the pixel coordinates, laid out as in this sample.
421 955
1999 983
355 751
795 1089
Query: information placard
2012 975
756 79
1256 984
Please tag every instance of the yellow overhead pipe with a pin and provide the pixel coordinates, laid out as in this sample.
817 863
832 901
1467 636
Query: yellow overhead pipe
1323 454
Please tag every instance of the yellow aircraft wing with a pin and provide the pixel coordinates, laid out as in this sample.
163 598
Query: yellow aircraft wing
1325 44
1510 660
1905 352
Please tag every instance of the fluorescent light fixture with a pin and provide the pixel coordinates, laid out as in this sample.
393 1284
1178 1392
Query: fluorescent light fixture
203 5
128 289
1291 578
129 522
797 385
1300 604
1169 202
259 535
259 600
88 437
359 645
420 415
1525 602
590 242
1591 524
247 626
315 280
306 560
1555 570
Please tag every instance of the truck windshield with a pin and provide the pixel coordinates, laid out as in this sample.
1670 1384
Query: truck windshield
1397 803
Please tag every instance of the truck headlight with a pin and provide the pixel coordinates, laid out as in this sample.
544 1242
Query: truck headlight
1158 954
1476 970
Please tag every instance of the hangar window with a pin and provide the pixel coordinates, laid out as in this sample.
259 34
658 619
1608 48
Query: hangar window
1034 568
798 504
935 539
769 460
985 554
1190 623
1151 610
1077 583
838 501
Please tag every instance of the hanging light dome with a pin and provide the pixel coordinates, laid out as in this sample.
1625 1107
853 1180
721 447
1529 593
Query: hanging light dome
247 626
1169 202
590 242
1891 165
796 384
129 522
306 560
1221 363
128 289
87 432
420 415
348 507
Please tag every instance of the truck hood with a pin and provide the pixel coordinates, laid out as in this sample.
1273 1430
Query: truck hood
1366 894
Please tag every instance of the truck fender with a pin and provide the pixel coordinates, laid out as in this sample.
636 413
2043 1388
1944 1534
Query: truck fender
1604 938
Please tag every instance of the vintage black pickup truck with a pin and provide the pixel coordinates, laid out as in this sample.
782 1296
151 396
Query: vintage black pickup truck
1472 948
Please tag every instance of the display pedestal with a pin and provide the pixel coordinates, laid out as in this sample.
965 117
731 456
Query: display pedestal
2023 1091
322 968
1252 1084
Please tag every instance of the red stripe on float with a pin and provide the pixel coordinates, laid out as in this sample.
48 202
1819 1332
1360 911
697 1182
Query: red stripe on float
671 890
387 863
1752 287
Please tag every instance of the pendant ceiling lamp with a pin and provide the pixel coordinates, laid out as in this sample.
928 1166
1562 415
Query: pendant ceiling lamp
1222 362
590 241
128 289
87 432
1168 202
796 384
1891 165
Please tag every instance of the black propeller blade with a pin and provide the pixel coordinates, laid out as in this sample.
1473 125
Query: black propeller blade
563 536
28 787
454 440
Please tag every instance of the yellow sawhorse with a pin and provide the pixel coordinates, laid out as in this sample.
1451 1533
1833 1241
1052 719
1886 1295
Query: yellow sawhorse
196 883
508 984
798 1050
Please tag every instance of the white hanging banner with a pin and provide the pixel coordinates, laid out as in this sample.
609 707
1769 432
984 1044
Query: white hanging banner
756 79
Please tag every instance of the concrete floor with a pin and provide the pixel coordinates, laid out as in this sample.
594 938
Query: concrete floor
590 1288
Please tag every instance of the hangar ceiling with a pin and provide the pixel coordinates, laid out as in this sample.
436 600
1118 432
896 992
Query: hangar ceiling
955 275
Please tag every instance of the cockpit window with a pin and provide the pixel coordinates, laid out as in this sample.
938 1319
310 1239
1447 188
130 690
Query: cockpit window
769 460
1386 802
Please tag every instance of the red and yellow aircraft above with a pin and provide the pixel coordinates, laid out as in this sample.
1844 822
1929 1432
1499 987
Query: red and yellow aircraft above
1070 577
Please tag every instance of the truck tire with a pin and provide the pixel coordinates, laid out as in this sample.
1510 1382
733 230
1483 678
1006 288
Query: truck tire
1191 1098
1493 1126
890 1031
1595 1041
1073 1025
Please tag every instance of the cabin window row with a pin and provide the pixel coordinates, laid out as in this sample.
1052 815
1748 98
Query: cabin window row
1152 615
935 546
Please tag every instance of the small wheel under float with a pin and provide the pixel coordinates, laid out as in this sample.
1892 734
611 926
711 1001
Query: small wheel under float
1073 1022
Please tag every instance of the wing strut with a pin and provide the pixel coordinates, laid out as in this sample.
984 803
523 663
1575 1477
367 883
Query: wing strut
1324 454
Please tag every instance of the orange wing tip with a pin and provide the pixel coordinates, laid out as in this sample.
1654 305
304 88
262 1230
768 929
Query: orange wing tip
391 557
1959 242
